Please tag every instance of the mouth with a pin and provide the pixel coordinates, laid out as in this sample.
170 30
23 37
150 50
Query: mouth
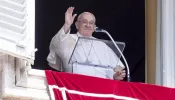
88 29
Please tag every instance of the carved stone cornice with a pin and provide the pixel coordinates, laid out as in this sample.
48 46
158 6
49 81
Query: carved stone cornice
20 82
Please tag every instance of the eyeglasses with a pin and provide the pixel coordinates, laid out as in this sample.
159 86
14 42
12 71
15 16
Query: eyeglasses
86 22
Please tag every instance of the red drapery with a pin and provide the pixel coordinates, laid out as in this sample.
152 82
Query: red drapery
81 87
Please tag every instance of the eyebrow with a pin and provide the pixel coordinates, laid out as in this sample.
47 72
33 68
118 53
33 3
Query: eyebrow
89 21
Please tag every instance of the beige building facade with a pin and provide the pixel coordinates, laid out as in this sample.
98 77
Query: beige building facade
18 81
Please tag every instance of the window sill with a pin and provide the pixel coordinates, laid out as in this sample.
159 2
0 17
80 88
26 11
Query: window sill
19 82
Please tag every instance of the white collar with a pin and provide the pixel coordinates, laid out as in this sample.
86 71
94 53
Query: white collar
83 40
75 36
79 35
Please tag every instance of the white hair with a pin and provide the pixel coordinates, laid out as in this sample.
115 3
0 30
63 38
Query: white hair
79 17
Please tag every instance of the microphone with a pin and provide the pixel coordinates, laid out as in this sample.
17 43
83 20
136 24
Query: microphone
127 67
98 29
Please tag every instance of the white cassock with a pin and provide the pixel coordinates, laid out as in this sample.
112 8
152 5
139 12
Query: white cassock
92 52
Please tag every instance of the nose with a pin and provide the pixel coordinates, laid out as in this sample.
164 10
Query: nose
88 25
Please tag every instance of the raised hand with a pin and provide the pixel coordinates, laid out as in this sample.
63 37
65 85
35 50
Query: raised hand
69 19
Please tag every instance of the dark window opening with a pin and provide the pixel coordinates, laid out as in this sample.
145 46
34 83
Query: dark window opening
123 19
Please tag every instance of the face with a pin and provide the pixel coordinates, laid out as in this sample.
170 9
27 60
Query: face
86 25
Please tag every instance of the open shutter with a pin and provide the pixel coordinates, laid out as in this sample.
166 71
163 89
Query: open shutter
17 28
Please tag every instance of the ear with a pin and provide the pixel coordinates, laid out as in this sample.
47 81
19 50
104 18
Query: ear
94 27
76 25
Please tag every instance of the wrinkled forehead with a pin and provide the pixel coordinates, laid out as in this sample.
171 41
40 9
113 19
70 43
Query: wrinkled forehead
86 16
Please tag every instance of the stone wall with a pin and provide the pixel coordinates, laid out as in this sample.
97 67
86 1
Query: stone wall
19 82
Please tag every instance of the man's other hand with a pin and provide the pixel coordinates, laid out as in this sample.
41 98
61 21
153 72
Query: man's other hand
119 73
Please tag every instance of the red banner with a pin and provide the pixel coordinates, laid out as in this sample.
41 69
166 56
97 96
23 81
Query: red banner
67 86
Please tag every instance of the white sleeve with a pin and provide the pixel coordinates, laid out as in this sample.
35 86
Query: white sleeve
120 64
113 59
53 59
59 37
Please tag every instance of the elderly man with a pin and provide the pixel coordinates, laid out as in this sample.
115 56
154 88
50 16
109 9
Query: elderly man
63 43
